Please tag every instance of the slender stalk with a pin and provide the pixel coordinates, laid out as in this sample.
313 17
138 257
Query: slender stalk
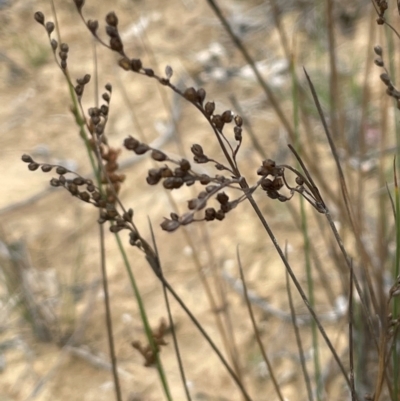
346 199
171 324
351 342
333 80
298 340
396 272
110 335
207 337
144 318
297 285
306 239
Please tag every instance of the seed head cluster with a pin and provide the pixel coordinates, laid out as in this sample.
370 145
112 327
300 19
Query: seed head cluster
385 77
173 174
381 7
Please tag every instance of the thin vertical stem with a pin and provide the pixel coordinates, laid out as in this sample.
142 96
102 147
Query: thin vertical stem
110 335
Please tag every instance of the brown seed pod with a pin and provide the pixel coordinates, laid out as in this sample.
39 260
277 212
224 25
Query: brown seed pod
64 47
131 143
158 155
136 64
72 188
79 4
93 26
112 31
116 228
79 90
218 122
177 182
39 17
54 44
238 120
169 72
209 108
116 44
26 158
170 225
227 116
205 179
61 170
185 165
84 196
149 72
141 149
378 50
112 19
191 95
197 150
222 198
166 172
54 182
192 203
210 214
46 168
78 181
49 27
168 183
385 79
238 133
220 215
201 95
33 166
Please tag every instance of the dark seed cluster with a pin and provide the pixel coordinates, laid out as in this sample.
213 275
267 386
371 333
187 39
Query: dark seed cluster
110 179
381 7
63 47
194 96
78 186
85 190
183 175
385 78
274 180
173 174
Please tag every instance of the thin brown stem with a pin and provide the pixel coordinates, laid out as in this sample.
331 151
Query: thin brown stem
298 340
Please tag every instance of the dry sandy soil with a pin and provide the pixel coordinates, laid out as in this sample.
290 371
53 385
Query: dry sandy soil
55 236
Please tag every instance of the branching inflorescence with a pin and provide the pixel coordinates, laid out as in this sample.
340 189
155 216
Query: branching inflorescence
273 177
